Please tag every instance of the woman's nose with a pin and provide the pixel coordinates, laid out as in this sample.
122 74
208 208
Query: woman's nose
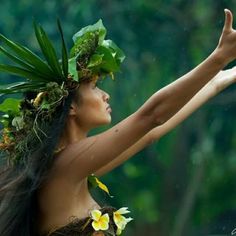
106 96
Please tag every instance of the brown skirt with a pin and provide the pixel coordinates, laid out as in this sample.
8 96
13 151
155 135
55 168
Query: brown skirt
83 227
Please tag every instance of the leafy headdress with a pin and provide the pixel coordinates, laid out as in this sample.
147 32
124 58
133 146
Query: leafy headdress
46 83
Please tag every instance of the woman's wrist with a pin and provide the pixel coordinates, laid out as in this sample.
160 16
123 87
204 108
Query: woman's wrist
224 79
220 57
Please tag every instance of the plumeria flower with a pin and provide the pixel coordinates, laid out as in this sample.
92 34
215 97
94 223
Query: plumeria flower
118 231
120 220
100 222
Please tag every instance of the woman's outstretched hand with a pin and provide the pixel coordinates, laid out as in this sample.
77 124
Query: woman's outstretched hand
227 43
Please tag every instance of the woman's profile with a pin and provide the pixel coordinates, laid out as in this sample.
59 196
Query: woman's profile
47 157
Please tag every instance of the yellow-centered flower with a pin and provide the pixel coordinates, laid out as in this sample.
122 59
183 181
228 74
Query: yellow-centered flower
120 220
100 222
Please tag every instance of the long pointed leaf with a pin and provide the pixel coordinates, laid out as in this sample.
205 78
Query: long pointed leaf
64 51
20 87
27 55
48 50
16 59
14 70
9 86
52 56
24 64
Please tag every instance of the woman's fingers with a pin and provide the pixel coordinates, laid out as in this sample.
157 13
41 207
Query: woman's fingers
228 26
227 42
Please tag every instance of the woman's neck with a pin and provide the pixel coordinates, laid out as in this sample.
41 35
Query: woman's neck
72 133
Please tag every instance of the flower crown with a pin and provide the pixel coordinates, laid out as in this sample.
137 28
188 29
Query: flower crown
50 80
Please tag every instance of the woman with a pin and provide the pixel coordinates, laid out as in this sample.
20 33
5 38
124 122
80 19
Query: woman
46 191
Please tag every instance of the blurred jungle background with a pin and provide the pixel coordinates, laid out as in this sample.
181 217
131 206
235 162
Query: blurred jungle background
184 184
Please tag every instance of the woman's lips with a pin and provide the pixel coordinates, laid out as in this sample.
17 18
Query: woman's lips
109 109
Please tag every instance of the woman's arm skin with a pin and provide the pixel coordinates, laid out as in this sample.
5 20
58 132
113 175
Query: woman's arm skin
94 152
221 81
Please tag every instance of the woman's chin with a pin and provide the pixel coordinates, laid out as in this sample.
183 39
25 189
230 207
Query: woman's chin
106 121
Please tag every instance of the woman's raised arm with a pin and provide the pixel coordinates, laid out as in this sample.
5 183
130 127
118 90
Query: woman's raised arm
221 81
94 152
167 101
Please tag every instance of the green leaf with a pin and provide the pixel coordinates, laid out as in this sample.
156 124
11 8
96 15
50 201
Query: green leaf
72 69
4 121
14 70
95 60
116 51
20 87
48 51
64 51
28 56
109 63
98 26
26 66
92 181
16 59
10 105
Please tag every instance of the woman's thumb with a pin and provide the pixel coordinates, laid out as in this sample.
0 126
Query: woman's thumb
228 20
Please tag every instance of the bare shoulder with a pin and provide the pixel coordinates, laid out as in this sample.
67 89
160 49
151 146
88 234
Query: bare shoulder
88 155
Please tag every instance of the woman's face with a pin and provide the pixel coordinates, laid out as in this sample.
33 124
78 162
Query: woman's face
93 109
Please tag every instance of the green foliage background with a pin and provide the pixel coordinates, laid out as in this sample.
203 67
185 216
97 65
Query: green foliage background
185 183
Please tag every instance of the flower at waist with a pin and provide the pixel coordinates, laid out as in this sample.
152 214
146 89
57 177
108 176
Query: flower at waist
120 220
100 222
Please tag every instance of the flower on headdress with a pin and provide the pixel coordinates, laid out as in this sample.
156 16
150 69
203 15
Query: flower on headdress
120 220
100 222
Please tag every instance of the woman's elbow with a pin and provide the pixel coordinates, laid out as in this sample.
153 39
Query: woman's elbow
160 116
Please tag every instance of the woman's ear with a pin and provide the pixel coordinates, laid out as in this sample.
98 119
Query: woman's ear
73 109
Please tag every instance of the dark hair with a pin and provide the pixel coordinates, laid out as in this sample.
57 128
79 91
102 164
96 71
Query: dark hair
19 183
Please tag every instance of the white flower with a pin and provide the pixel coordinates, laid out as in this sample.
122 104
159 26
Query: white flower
120 220
100 222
